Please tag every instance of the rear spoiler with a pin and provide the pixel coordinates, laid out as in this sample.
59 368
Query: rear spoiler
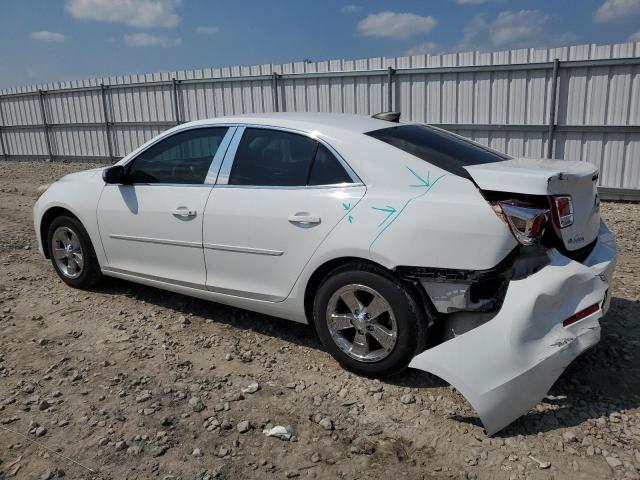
388 116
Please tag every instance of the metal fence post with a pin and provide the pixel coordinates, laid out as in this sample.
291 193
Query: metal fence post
274 86
175 100
3 145
45 124
107 124
390 73
553 106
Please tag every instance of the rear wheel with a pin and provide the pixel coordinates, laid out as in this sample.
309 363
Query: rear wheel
72 253
368 320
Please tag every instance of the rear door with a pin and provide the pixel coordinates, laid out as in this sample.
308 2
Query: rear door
278 195
152 226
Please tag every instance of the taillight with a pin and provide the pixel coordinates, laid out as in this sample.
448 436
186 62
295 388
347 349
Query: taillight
526 223
562 210
576 317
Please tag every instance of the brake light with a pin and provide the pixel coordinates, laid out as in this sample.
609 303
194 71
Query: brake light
526 223
576 317
562 210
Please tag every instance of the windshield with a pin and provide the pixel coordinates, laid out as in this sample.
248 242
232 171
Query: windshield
438 147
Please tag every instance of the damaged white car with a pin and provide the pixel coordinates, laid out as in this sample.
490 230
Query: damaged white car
404 245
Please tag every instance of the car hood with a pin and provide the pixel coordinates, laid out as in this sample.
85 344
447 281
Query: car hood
84 175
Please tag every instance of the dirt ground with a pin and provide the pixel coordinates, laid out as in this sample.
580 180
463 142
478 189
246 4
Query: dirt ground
130 382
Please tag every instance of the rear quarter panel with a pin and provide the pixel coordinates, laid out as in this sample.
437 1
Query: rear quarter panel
413 213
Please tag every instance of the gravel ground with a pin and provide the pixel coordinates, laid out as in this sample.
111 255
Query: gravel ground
131 382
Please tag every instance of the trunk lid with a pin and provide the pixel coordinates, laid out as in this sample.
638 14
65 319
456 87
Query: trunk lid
549 177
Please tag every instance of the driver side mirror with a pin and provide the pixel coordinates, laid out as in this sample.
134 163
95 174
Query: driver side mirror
114 175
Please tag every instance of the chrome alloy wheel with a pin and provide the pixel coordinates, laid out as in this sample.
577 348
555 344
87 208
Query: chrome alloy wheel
67 252
361 323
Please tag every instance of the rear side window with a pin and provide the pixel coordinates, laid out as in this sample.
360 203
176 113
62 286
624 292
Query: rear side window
181 158
282 159
327 170
437 147
272 158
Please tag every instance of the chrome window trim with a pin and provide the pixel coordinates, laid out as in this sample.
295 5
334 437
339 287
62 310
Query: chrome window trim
186 185
293 187
227 165
210 177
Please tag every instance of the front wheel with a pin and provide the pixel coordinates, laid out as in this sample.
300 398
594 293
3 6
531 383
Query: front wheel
72 253
369 321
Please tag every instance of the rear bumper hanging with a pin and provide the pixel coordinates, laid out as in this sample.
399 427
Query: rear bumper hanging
505 366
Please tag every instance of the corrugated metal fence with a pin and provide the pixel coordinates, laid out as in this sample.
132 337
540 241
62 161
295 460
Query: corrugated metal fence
576 103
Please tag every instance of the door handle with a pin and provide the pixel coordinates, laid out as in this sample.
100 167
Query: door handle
183 212
304 219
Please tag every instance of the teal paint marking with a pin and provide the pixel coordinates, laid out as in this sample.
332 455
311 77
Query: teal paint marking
427 185
423 182
346 206
388 209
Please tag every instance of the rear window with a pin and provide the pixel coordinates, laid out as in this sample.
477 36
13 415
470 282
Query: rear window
437 147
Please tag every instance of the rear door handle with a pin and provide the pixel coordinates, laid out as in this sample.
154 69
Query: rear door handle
183 212
304 219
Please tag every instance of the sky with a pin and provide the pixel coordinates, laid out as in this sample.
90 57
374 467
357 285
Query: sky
57 40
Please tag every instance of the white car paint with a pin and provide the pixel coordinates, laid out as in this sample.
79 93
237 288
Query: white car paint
240 248
529 346
141 235
271 226
549 177
78 193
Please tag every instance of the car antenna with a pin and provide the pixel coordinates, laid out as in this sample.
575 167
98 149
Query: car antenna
388 116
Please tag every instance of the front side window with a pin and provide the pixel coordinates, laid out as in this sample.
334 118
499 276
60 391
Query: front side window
442 149
182 158
281 159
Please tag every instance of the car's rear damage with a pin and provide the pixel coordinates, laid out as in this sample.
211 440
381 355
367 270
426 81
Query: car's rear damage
508 256
505 334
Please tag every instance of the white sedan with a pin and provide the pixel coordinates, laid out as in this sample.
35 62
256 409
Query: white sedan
403 244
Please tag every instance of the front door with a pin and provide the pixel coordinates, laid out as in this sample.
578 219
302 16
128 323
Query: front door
271 209
152 225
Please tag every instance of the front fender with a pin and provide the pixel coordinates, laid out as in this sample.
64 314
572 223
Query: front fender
78 197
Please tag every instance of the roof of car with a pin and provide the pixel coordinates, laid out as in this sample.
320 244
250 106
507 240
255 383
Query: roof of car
306 121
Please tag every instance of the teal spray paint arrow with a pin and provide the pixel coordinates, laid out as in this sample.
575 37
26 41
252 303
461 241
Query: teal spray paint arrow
388 209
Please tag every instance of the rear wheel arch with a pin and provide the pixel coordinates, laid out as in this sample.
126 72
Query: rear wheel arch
319 274
408 322
324 270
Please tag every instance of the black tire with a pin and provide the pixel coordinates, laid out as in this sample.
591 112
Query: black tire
410 318
90 274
